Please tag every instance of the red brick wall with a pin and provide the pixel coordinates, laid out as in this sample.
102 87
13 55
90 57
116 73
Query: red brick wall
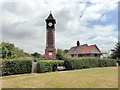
50 54
50 51
50 38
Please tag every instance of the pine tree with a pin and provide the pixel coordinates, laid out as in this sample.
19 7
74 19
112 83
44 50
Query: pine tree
116 51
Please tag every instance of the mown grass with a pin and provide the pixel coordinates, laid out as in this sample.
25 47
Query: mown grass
106 77
14 76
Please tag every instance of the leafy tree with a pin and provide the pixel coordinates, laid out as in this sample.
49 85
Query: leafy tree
9 51
66 51
116 51
0 51
37 55
21 53
60 55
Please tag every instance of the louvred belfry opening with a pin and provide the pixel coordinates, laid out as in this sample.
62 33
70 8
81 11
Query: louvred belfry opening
50 51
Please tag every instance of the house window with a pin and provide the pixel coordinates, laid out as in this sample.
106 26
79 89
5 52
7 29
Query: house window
75 55
79 55
72 55
95 54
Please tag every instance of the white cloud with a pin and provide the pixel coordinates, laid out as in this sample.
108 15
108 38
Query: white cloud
104 18
91 16
105 31
24 23
105 43
10 18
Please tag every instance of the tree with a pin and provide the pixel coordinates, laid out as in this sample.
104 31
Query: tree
116 51
0 51
37 55
66 50
60 55
9 51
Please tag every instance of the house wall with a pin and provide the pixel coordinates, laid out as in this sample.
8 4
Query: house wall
85 55
93 55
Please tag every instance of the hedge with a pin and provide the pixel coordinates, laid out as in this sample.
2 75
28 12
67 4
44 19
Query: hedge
16 66
24 65
48 65
80 63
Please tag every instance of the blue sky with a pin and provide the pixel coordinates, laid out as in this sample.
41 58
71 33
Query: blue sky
89 21
112 19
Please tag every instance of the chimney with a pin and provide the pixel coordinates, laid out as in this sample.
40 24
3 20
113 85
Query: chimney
78 43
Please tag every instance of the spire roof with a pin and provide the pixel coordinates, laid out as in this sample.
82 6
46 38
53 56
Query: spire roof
50 17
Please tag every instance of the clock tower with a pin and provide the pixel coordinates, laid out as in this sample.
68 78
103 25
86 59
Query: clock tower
50 51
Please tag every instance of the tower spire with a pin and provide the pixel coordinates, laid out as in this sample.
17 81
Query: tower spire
50 17
50 12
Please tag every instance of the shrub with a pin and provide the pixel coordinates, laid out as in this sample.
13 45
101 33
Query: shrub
79 63
48 65
16 66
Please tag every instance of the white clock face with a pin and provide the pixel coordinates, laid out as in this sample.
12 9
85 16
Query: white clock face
50 24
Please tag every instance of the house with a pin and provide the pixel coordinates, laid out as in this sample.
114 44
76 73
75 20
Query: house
84 51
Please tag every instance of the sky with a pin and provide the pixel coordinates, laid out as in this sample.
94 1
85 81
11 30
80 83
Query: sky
89 21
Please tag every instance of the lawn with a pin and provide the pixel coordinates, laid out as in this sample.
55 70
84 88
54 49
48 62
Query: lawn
106 77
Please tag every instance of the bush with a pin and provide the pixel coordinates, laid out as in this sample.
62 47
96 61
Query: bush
80 63
16 66
48 65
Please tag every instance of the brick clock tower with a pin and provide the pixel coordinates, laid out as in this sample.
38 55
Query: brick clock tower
50 51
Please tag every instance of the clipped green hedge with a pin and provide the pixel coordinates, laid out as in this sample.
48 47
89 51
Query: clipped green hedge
16 66
48 65
80 63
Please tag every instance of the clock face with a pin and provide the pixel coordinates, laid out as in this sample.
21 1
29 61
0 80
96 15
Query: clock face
50 24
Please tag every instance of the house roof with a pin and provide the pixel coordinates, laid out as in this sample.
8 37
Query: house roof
84 49
76 49
90 49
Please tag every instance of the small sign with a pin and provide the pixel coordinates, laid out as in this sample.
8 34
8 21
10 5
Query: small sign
50 53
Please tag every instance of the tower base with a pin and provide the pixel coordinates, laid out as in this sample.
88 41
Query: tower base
50 54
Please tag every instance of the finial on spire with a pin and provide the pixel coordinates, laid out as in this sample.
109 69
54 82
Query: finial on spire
50 12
